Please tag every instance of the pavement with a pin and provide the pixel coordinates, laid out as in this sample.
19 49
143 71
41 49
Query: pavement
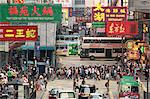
40 94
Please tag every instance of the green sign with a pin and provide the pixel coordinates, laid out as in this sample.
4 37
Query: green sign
98 24
142 49
30 13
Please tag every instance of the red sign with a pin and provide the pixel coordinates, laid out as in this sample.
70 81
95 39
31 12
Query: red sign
121 28
18 1
18 33
83 19
103 14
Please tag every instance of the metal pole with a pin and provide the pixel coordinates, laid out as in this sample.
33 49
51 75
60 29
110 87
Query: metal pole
46 43
147 77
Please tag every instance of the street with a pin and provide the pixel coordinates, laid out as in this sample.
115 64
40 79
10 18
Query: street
77 61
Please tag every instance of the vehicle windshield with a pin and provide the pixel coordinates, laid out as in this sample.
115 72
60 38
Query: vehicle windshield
96 97
65 95
85 90
134 89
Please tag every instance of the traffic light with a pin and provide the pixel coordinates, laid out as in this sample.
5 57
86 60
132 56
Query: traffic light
146 73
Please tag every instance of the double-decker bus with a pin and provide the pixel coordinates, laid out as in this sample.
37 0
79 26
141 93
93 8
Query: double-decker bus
92 47
67 45
128 87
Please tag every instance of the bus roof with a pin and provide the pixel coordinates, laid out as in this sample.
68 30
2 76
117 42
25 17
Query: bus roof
106 38
74 35
66 42
128 80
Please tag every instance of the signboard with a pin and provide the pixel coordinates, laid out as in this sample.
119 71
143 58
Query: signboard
30 12
83 19
18 33
65 3
121 28
130 44
98 24
18 1
103 14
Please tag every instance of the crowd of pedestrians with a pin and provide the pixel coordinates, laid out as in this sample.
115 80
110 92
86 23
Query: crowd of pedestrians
97 72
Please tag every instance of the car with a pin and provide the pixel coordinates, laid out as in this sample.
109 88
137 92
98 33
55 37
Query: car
85 90
66 94
96 96
57 93
53 93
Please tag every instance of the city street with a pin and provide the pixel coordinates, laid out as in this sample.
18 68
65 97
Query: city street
68 84
103 43
77 61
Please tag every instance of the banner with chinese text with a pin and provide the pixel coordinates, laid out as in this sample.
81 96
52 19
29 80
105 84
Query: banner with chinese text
104 14
18 33
121 28
30 12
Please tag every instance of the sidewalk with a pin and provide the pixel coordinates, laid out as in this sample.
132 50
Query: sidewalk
40 94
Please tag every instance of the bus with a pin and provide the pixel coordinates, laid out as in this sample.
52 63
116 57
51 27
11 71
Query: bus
93 47
68 45
67 48
128 87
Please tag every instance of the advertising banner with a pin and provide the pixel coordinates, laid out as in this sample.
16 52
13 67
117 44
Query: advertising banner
30 12
65 3
18 1
18 33
104 14
121 28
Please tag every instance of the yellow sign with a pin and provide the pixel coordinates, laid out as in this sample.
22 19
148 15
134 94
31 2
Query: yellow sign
145 28
130 44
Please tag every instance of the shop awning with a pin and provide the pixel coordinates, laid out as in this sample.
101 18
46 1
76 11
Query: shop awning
25 47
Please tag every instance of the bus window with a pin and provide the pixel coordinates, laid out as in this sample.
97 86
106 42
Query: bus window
117 50
92 50
66 38
61 38
87 41
134 89
57 38
105 41
101 50
57 47
76 38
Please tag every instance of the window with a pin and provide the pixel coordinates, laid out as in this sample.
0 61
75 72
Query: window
87 41
98 50
79 2
117 50
61 38
134 89
101 50
92 50
67 95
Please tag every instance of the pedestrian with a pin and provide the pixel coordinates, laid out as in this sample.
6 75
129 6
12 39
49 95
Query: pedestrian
107 86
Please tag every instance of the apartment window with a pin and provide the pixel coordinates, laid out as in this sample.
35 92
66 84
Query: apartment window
79 2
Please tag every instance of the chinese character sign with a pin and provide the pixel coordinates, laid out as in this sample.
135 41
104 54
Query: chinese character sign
18 1
121 28
103 14
18 33
28 12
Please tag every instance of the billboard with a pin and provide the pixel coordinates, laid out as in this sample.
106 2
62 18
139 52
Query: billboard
104 14
30 12
65 3
18 33
18 1
121 28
